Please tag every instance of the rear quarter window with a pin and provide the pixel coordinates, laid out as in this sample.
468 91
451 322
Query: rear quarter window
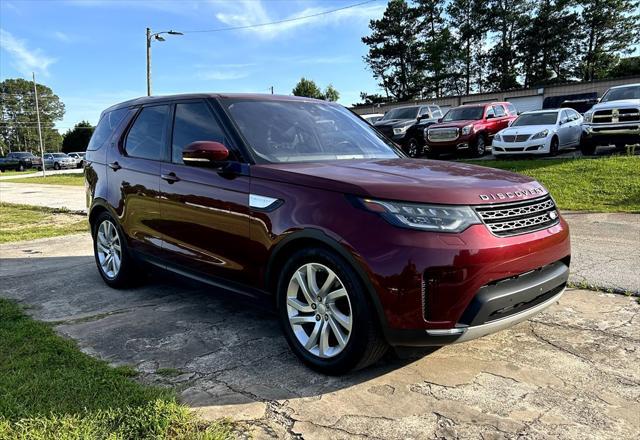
107 124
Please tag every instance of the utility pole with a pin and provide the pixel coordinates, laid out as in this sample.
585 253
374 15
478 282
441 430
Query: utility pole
148 61
35 92
271 88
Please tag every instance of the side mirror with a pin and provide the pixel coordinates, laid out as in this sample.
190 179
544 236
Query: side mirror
204 153
439 120
490 117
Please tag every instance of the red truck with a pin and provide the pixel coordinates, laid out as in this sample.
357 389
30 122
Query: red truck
468 128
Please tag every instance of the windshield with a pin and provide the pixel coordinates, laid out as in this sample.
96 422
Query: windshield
59 155
631 92
298 131
546 118
464 114
401 113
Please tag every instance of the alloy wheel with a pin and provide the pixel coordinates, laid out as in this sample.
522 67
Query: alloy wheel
412 148
109 249
319 310
480 146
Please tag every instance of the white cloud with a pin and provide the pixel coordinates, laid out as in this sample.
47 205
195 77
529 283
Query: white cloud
253 12
23 59
221 75
62 36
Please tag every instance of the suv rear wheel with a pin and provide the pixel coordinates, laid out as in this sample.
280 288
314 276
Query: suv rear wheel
111 254
325 313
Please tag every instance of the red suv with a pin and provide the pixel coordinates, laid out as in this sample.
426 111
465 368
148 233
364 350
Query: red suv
299 199
468 128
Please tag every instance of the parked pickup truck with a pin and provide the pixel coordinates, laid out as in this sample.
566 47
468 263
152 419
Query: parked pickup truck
402 124
614 120
468 128
17 160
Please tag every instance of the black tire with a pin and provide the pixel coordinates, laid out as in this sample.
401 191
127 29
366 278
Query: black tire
365 345
621 146
56 166
413 148
554 147
588 148
479 147
21 167
124 278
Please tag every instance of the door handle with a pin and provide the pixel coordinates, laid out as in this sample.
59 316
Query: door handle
171 177
115 166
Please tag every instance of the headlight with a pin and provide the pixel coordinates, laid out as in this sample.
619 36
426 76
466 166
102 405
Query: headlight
542 134
467 129
400 130
438 218
498 138
588 117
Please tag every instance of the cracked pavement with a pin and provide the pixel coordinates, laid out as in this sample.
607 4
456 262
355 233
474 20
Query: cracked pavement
572 372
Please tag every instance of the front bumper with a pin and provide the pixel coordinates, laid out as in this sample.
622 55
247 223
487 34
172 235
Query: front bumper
535 146
629 132
461 143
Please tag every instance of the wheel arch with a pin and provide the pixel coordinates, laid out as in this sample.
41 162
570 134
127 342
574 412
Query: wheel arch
98 207
316 238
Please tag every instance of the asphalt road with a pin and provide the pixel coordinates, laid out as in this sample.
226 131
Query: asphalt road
572 372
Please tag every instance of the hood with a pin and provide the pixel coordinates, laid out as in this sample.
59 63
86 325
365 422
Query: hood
527 129
616 104
411 180
395 123
456 124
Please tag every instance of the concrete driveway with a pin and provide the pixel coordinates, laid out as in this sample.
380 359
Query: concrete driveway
572 372
67 197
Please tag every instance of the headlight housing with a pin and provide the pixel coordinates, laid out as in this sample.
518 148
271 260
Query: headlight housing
588 117
436 218
400 130
467 129
540 135
497 137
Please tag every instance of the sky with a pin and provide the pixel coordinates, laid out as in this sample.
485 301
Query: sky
92 52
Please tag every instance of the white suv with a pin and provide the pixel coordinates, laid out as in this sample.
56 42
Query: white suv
614 120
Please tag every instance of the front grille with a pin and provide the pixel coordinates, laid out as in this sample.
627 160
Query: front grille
442 134
519 217
616 115
386 130
515 138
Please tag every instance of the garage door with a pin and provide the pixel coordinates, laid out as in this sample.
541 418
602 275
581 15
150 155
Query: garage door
527 103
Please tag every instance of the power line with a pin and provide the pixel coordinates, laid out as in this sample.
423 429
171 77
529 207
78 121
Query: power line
286 20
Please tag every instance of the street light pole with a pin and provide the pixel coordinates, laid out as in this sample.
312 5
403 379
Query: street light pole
148 62
157 37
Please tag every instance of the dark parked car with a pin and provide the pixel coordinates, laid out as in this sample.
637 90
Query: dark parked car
303 201
17 160
405 126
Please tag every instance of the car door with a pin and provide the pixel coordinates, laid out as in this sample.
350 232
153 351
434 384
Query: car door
576 126
502 119
205 211
133 177
491 122
565 130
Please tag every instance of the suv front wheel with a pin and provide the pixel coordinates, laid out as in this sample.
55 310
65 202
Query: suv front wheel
325 313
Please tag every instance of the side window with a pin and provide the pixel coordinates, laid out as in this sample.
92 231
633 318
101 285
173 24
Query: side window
108 122
193 122
490 112
563 116
147 136
423 111
511 109
499 111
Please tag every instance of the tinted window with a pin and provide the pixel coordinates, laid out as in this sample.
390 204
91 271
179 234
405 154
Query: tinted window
544 118
620 93
147 136
424 111
491 112
106 125
193 122
294 131
499 111
464 114
401 113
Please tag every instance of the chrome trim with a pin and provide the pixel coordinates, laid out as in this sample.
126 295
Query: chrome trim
261 202
478 331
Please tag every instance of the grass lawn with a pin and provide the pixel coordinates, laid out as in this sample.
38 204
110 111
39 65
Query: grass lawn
16 173
52 390
609 184
22 222
55 179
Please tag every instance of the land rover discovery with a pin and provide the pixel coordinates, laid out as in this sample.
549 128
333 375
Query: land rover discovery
360 247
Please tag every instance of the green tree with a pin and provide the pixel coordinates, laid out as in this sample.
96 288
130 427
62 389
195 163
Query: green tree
549 44
625 67
308 88
612 28
18 119
372 99
331 94
466 25
77 138
438 51
395 51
